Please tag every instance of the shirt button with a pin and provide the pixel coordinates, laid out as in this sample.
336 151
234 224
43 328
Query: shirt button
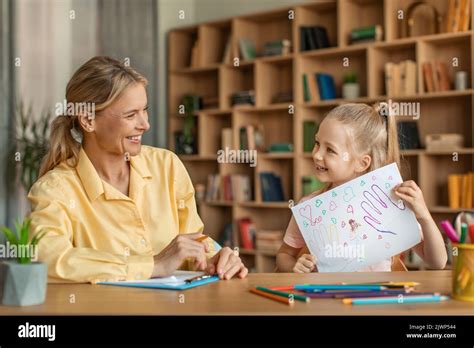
143 241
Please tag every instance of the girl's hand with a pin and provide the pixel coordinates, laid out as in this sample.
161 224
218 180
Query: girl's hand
305 264
411 194
181 247
227 263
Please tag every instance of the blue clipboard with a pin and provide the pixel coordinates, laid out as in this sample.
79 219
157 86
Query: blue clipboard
150 285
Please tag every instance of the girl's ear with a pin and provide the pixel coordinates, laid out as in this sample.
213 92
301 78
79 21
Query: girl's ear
363 164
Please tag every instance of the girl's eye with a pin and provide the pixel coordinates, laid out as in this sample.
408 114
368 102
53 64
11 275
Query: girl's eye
331 150
316 143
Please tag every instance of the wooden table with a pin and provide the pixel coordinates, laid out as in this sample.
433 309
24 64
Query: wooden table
233 298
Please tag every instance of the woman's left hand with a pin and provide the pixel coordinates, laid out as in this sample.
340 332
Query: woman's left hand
226 263
411 194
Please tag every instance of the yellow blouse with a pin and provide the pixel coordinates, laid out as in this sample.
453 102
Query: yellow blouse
96 233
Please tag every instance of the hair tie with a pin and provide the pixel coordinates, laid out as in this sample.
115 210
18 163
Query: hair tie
382 109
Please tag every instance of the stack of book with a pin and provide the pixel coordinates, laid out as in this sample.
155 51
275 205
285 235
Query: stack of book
458 16
310 129
318 86
251 137
461 191
247 233
313 38
283 97
272 188
270 241
277 48
435 76
366 34
243 98
232 187
400 79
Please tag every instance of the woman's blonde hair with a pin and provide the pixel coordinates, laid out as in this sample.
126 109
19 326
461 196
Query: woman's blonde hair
373 131
101 81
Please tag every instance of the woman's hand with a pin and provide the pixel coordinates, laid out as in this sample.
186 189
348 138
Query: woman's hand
305 264
227 263
182 247
411 194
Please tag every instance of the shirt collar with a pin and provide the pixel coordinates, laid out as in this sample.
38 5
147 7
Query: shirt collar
91 180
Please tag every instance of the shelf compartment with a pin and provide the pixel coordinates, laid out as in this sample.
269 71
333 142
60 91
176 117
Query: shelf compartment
215 218
379 56
180 54
323 13
333 63
277 125
455 52
363 13
435 187
262 28
214 38
271 79
234 79
284 169
203 83
210 131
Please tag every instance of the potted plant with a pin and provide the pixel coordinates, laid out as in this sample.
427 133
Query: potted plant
350 88
22 282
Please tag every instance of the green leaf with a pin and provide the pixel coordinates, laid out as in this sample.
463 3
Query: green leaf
12 239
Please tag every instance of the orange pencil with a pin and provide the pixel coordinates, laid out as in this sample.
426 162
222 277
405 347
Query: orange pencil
200 239
281 299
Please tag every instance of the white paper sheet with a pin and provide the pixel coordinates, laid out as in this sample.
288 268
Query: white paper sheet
178 277
359 223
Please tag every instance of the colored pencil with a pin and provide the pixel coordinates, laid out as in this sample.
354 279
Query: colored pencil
281 299
366 294
282 288
471 233
285 294
449 230
200 239
389 284
386 300
463 233
317 287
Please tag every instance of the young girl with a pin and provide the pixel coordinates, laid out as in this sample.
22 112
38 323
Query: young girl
354 139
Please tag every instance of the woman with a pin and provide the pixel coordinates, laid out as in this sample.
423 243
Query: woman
114 209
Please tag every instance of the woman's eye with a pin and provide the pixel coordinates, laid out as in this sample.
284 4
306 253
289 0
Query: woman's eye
129 116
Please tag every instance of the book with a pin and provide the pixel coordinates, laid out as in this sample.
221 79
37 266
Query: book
450 19
327 88
280 147
428 77
442 75
309 131
247 49
226 237
389 90
245 233
277 48
408 77
306 92
313 88
230 187
370 33
454 193
408 135
465 16
271 187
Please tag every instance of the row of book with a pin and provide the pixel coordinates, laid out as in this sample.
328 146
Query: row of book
461 191
251 137
232 187
318 86
458 17
313 37
435 76
400 79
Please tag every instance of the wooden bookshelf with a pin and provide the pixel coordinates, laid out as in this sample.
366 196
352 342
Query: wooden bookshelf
441 112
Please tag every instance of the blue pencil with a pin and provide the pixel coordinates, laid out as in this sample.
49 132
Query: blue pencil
316 287
400 300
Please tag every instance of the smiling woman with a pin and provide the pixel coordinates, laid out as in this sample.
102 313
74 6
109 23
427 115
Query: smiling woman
112 208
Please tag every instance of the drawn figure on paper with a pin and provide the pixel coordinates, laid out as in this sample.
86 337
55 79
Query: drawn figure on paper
370 206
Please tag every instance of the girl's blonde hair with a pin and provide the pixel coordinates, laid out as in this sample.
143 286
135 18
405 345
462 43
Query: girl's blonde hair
101 81
373 131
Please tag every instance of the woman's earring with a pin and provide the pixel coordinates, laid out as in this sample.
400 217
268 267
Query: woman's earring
77 136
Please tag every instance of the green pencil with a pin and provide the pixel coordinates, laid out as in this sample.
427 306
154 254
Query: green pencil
284 294
463 233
